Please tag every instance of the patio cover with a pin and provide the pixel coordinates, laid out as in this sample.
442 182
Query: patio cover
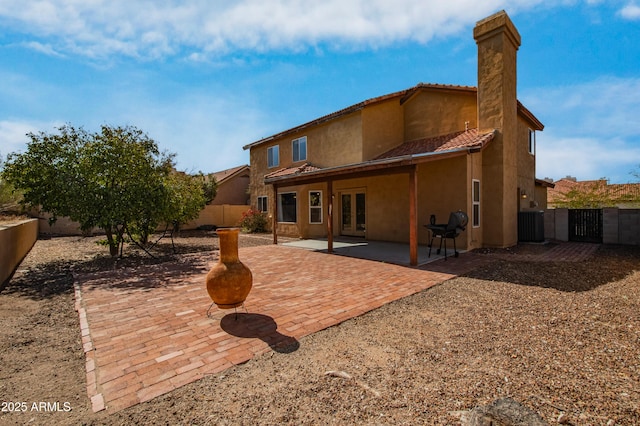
402 159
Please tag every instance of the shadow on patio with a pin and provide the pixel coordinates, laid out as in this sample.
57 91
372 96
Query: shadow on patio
380 251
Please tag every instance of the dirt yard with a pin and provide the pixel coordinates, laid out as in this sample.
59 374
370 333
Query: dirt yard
560 338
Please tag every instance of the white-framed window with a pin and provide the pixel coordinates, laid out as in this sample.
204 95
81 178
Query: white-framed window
263 204
475 201
532 142
273 156
299 149
287 207
315 206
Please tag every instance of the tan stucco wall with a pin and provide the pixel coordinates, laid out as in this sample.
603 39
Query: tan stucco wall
526 168
474 235
219 215
438 112
234 190
330 144
382 128
15 242
540 198
62 226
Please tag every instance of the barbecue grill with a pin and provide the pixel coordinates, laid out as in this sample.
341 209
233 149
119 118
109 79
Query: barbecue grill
457 223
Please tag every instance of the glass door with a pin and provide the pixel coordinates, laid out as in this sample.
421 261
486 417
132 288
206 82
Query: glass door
353 219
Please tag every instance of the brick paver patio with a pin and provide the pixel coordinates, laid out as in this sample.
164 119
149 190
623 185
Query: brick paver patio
146 332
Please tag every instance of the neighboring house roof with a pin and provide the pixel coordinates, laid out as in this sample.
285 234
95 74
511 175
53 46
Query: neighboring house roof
224 175
619 192
403 96
408 153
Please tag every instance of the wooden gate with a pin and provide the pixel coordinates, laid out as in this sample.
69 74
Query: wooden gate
585 225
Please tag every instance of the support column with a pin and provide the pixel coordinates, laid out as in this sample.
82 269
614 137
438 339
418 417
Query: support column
413 217
274 209
330 217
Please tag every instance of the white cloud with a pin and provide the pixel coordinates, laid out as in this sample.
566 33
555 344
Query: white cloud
631 11
152 29
207 132
586 158
603 107
13 135
47 49
589 129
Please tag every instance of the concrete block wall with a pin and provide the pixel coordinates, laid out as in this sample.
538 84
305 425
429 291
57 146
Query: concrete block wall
629 226
620 226
562 224
549 224
15 242
610 225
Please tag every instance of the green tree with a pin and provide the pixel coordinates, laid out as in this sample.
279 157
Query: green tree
9 197
587 195
186 197
115 179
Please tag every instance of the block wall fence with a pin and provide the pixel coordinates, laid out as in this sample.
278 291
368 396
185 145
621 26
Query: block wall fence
620 226
15 242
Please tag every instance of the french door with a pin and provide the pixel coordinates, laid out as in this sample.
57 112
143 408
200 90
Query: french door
353 208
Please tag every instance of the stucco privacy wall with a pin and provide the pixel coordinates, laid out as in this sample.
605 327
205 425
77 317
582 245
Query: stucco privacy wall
62 226
15 242
224 215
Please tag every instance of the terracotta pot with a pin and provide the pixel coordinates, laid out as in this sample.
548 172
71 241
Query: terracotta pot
229 281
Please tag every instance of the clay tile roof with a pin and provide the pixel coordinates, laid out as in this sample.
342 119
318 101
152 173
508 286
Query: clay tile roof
289 171
616 191
463 139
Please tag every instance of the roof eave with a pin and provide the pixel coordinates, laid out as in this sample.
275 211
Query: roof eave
239 170
537 124
387 164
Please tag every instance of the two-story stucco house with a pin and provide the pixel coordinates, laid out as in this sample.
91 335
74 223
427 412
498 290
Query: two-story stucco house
380 168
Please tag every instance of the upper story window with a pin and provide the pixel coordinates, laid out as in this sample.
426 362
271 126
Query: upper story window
532 142
273 156
299 149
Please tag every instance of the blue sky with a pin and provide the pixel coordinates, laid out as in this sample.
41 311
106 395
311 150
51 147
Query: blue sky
204 78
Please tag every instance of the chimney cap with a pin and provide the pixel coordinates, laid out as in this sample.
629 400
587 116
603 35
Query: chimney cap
494 24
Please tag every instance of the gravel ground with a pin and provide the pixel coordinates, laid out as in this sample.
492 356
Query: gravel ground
560 338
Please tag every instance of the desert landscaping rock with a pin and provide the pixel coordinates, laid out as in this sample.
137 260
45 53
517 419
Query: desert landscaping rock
560 338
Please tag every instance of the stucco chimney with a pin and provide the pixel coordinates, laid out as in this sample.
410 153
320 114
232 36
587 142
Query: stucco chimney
498 42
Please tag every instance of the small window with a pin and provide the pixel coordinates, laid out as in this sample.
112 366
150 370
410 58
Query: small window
262 203
273 156
299 149
532 142
476 203
287 207
315 206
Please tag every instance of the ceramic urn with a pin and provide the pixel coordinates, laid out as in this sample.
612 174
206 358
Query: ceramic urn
229 281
